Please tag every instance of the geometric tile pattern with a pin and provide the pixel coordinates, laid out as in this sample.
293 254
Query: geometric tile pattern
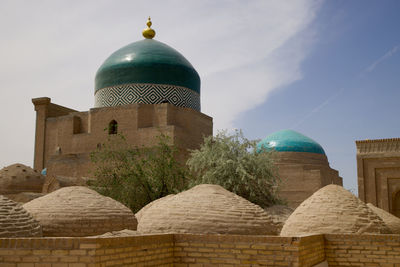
147 93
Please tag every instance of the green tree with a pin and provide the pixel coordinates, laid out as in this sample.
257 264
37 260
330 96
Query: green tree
233 162
137 176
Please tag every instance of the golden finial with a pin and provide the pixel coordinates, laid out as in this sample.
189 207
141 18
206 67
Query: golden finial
148 33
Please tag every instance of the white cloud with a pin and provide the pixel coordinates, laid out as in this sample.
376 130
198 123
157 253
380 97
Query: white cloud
242 50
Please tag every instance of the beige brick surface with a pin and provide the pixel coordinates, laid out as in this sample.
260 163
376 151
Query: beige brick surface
65 137
203 250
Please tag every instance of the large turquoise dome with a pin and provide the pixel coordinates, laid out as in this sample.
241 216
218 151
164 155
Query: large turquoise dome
147 71
290 141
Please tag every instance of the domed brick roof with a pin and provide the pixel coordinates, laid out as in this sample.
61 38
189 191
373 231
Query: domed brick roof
15 221
333 209
79 211
391 221
206 209
18 178
290 141
139 214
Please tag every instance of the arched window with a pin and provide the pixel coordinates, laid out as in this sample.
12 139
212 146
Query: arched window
113 127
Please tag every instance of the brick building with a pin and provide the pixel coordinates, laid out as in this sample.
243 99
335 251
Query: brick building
302 164
378 171
147 88
142 90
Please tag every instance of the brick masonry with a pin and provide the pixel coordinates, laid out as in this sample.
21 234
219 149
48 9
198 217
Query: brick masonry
186 250
363 250
302 174
378 171
155 250
65 138
235 250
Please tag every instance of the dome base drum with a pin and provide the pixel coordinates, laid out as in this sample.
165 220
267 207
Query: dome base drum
147 93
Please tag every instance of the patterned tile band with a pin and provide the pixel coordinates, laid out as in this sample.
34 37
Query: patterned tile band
147 94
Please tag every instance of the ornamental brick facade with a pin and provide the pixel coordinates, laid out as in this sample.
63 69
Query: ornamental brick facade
378 171
65 137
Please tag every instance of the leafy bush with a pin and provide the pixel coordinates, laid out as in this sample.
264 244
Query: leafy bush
233 162
137 176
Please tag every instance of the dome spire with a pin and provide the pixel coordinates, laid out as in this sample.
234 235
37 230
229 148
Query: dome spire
148 33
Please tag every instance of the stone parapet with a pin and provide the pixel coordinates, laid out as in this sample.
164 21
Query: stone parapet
238 250
155 250
203 250
378 146
378 173
362 250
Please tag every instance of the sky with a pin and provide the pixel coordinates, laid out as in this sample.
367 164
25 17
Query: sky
328 69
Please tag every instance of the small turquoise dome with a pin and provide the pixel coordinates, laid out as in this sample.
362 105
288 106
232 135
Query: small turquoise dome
290 141
147 71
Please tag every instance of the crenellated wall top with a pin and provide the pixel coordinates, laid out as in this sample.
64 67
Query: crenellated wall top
378 146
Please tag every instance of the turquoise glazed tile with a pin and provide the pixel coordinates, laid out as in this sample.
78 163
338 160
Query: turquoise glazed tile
147 61
290 141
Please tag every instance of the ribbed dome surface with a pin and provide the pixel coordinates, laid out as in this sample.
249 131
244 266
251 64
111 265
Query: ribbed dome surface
143 210
79 211
391 221
147 61
290 141
15 221
149 72
333 209
18 178
206 209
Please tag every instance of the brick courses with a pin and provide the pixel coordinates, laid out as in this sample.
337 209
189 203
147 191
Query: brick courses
363 250
187 250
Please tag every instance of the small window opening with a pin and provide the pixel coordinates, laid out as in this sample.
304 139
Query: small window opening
113 127
396 204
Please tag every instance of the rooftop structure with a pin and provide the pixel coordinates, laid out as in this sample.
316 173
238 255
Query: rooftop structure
15 221
333 210
142 90
18 178
206 209
290 141
302 164
148 72
378 172
390 220
79 211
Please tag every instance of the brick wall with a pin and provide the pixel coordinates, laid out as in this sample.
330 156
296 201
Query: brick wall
45 252
363 250
62 134
150 250
302 174
202 250
155 250
234 250
311 250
